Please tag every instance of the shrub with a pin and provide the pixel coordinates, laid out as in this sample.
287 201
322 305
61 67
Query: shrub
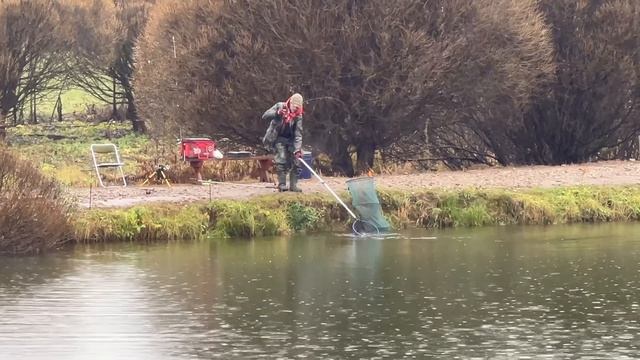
34 214
302 217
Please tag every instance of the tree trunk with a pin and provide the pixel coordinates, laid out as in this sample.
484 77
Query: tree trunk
3 131
34 116
114 101
139 126
342 165
132 114
341 161
366 154
59 108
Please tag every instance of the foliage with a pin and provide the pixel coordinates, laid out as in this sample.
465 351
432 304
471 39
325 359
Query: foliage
34 213
237 219
592 104
68 158
373 72
302 217
157 223
521 207
277 215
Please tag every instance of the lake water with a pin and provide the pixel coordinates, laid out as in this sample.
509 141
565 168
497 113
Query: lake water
508 292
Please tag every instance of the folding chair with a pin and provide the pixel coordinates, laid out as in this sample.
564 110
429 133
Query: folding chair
104 151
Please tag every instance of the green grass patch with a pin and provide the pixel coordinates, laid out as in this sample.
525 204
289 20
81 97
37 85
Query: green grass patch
73 101
278 215
264 216
302 217
62 149
589 204
245 219
142 223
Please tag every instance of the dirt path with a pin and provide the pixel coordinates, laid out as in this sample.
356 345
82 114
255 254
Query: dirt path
602 173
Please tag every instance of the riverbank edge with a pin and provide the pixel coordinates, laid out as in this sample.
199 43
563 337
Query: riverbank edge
289 213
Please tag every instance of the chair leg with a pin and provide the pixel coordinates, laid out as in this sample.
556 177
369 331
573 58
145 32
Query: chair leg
99 178
95 166
124 180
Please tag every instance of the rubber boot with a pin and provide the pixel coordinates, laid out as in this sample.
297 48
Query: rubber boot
282 181
293 181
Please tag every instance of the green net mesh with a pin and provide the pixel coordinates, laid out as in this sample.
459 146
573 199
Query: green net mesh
365 201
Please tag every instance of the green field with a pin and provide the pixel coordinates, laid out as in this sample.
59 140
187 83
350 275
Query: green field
62 149
73 101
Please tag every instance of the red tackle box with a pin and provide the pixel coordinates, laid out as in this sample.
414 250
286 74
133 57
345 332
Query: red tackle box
197 149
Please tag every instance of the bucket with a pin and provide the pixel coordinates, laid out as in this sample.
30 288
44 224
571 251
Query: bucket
307 156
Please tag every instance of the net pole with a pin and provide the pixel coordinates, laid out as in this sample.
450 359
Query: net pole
328 188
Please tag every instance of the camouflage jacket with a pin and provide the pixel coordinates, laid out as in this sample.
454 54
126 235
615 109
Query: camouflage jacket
278 132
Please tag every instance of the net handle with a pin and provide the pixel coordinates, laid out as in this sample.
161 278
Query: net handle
330 190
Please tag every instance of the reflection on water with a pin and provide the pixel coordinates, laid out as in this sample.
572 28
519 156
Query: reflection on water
498 293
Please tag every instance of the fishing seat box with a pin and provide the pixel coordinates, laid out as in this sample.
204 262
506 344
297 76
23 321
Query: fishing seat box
197 149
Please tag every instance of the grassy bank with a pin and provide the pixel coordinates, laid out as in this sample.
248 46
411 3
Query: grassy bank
264 216
277 215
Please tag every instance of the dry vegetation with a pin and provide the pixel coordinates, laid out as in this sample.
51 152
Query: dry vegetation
49 46
452 81
34 214
456 81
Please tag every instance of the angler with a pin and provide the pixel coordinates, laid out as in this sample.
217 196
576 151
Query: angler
284 136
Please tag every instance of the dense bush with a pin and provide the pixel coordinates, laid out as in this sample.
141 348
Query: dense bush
457 81
592 103
34 215
373 72
580 104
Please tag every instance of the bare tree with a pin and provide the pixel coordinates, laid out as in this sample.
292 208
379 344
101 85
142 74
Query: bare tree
32 51
507 60
133 15
518 108
492 81
365 71
94 26
162 81
593 103
107 31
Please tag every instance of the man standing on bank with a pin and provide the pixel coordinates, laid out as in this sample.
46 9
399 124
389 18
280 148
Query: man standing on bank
285 136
